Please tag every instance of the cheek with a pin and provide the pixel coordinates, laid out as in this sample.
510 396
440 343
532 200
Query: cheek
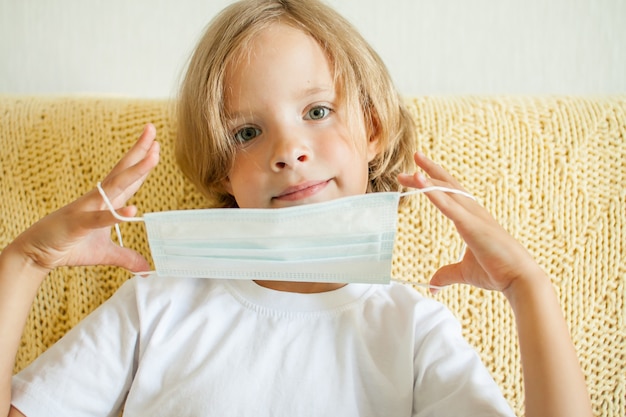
238 173
245 160
352 158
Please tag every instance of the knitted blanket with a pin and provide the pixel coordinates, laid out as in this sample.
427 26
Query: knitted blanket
550 169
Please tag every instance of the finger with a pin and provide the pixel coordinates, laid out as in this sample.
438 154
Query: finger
110 253
438 176
419 180
120 186
436 171
138 151
75 224
445 201
451 205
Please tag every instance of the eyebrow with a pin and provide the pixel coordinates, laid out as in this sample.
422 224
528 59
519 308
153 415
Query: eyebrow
318 89
232 117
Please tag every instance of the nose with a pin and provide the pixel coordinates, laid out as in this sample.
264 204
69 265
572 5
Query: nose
290 150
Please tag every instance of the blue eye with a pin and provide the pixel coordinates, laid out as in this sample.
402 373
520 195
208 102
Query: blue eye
318 113
247 133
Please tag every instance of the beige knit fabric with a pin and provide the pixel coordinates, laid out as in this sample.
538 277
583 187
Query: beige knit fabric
551 170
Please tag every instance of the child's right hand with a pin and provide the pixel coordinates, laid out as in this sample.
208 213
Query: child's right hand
80 233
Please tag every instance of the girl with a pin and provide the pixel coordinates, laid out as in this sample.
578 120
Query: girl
284 104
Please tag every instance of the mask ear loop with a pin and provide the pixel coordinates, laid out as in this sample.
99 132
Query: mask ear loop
109 205
463 245
438 188
107 202
418 284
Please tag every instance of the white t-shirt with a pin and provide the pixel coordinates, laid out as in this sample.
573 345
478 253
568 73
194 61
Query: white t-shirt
200 347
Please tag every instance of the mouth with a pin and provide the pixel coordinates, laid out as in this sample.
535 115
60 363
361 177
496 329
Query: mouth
301 191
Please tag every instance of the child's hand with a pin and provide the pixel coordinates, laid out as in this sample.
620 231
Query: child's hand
80 233
494 260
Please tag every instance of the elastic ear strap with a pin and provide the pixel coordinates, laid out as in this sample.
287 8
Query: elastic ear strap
107 202
417 284
145 274
439 188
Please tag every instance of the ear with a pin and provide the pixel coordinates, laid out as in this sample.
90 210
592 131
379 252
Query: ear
227 186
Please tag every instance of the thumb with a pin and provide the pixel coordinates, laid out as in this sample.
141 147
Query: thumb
130 260
447 275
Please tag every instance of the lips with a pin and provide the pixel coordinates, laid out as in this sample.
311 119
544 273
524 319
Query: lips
301 191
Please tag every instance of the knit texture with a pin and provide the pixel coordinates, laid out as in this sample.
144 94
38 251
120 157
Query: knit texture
550 169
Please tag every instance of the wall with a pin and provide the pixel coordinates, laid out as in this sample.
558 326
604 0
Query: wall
139 47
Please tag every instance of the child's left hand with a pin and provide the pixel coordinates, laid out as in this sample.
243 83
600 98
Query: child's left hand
494 260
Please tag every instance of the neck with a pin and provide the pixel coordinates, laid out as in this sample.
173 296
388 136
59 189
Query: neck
300 287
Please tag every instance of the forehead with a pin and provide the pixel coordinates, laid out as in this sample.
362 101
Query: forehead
280 59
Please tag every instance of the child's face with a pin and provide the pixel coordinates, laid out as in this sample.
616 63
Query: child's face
296 146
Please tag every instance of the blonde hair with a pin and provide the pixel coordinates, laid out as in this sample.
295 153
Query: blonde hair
204 144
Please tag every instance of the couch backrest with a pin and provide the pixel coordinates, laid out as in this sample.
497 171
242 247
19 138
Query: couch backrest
551 170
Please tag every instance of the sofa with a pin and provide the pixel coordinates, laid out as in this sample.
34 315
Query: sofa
552 170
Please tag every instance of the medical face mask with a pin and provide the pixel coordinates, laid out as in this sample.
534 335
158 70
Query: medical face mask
347 240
